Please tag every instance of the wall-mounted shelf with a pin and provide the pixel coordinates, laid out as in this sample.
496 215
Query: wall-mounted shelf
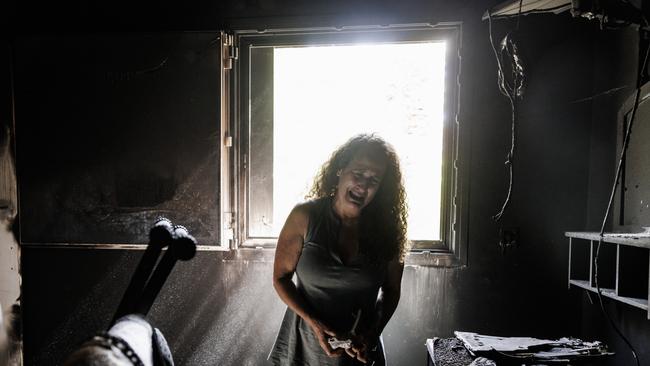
624 265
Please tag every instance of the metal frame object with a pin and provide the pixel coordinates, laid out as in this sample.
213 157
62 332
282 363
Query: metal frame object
147 282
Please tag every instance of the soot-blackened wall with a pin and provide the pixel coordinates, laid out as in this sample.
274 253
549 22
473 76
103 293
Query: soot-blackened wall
611 72
111 133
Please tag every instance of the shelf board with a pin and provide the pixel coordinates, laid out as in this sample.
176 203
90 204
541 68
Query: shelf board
608 292
637 240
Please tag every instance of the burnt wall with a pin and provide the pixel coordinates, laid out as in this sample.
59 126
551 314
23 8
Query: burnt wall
114 131
219 309
610 73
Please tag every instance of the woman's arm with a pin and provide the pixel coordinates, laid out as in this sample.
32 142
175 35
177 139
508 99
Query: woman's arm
389 295
287 254
385 308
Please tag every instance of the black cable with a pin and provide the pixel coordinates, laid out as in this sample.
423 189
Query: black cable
626 142
519 13
510 93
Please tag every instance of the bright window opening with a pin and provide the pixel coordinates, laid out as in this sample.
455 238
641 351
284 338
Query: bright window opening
323 95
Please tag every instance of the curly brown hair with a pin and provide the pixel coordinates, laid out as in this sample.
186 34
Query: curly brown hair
383 221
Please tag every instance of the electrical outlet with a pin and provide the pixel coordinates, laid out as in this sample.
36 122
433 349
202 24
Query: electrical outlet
508 237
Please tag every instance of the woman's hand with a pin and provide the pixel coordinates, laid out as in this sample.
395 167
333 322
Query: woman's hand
365 344
322 333
362 346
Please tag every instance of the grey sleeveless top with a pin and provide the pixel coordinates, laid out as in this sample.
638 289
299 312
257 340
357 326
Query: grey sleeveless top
334 290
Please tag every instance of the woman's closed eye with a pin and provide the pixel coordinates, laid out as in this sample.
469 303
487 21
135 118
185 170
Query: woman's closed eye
371 181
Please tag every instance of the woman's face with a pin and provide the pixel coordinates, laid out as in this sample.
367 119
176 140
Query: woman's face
358 183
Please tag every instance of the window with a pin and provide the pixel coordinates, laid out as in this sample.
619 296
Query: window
300 94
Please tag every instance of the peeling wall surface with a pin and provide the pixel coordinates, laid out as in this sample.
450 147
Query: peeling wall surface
114 129
9 250
10 280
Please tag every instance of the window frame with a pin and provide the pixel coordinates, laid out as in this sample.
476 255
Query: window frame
451 245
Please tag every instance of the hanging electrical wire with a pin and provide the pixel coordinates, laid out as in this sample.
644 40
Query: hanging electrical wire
513 89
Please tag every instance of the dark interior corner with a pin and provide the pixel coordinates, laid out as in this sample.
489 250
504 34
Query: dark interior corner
110 114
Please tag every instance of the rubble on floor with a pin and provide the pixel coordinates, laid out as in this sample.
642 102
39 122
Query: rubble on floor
472 349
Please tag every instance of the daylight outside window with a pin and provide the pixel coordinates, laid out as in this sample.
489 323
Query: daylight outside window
324 95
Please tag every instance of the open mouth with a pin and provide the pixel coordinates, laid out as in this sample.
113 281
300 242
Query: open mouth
356 199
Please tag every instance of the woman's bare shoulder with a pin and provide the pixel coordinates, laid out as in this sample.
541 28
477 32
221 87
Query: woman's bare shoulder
299 215
306 207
